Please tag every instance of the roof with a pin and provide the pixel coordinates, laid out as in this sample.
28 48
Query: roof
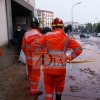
43 10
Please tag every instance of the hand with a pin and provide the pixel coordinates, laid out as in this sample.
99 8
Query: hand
68 59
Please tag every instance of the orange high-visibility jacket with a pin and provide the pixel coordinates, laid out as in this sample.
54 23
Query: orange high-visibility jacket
0 52
56 43
29 47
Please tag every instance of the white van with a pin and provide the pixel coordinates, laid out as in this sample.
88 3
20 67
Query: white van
98 35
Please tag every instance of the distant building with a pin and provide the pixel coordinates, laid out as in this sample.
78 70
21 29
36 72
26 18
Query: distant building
83 25
45 16
67 23
75 24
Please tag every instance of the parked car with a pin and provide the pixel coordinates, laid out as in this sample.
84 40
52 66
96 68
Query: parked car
84 35
98 35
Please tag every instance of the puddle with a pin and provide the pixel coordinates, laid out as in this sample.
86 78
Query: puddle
90 47
74 88
72 78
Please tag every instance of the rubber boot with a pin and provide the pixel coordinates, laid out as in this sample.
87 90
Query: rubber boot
38 93
58 97
26 77
98 98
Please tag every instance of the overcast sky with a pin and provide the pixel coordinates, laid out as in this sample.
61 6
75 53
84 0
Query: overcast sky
85 12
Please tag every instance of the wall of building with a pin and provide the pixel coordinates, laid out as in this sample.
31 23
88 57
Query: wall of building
75 24
3 24
31 2
8 56
3 21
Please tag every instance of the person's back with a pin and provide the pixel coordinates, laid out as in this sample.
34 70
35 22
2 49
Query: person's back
57 43
28 42
32 52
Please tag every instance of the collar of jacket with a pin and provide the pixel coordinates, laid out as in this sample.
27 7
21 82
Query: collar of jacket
59 29
36 29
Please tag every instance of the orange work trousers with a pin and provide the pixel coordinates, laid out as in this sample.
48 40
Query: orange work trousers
51 82
34 77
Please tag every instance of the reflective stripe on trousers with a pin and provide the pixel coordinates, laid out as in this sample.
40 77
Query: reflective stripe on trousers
49 95
59 93
34 89
34 83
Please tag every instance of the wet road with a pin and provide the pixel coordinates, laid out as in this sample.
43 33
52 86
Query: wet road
82 79
90 38
94 38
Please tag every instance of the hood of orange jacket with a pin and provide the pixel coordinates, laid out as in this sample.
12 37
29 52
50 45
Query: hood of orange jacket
32 35
56 36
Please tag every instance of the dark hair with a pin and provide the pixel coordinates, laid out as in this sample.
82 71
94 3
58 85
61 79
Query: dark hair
45 30
34 26
69 27
40 28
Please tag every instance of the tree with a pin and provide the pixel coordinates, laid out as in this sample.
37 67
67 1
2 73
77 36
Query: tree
88 27
94 27
98 27
81 28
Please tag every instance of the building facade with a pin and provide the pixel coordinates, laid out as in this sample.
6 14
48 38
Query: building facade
75 24
13 13
83 25
45 16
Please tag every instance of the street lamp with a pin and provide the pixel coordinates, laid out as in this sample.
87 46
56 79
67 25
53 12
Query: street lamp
97 20
72 14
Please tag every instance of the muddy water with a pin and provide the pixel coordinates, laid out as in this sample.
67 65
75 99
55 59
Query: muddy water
83 79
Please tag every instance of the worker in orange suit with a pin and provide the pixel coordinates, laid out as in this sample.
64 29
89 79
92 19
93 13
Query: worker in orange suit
0 52
33 53
57 43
